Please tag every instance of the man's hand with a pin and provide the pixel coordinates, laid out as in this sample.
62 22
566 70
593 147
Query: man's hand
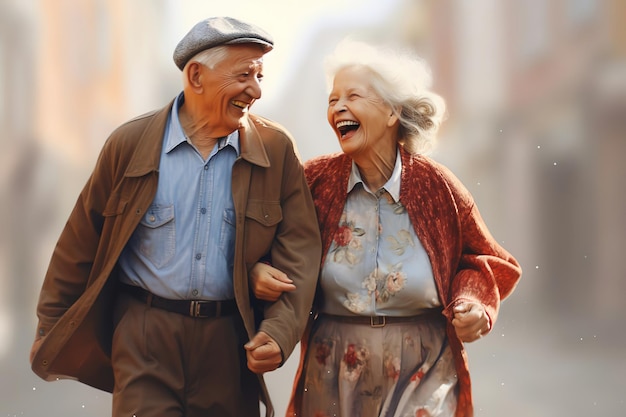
263 353
268 283
470 321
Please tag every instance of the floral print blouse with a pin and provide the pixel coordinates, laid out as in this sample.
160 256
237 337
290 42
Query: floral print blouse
376 265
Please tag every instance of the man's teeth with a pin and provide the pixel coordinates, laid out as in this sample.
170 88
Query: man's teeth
240 104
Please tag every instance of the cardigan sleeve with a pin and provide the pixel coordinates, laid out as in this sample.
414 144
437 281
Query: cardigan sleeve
487 273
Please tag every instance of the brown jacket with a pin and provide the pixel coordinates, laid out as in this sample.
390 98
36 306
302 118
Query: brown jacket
274 214
468 264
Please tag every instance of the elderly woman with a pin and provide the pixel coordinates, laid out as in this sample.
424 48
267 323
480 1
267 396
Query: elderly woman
409 270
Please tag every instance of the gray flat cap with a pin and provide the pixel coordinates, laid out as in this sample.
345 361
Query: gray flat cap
216 31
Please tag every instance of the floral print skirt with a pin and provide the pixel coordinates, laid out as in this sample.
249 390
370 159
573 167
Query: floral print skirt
399 369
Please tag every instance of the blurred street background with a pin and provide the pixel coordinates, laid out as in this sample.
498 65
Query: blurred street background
536 94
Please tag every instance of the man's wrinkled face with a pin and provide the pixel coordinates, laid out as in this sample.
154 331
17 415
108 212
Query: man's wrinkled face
232 85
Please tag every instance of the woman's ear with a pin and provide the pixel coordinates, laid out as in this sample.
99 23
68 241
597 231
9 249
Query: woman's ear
393 116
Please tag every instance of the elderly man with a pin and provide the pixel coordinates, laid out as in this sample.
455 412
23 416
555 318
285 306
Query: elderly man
147 293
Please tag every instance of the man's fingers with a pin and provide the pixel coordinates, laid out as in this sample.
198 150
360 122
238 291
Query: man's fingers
263 353
256 341
259 339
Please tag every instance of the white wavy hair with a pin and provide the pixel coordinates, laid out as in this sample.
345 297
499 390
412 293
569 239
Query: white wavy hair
403 81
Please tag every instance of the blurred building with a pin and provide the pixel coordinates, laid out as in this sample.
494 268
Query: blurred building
20 152
67 75
107 67
70 71
565 112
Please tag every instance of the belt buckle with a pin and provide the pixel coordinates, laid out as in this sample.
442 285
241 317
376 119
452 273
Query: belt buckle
194 308
377 321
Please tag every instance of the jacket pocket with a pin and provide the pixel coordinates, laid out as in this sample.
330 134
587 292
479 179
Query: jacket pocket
115 206
262 220
268 213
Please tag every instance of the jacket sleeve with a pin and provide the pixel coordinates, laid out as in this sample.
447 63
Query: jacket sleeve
296 251
487 273
70 265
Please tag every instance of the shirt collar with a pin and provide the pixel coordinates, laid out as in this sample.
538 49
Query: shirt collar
176 134
392 186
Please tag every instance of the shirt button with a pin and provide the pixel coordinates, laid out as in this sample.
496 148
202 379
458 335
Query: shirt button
152 219
194 292
198 256
206 167
203 210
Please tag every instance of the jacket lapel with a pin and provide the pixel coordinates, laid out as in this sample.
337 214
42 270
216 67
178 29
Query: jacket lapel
147 155
251 144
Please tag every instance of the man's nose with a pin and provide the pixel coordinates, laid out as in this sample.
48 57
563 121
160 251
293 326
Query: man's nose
254 88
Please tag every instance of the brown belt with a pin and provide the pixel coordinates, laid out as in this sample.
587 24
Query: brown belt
381 321
191 308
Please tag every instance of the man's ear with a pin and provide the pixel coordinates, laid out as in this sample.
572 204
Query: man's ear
194 76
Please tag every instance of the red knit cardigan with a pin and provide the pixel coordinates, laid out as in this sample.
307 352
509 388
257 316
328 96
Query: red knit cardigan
468 264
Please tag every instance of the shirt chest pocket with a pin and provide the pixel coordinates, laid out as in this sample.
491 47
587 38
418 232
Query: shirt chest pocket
155 236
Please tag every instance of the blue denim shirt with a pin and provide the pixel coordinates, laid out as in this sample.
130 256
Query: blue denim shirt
183 247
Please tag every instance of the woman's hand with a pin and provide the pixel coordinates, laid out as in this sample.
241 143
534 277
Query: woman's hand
470 321
268 283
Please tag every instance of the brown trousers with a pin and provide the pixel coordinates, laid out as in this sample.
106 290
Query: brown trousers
169 365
